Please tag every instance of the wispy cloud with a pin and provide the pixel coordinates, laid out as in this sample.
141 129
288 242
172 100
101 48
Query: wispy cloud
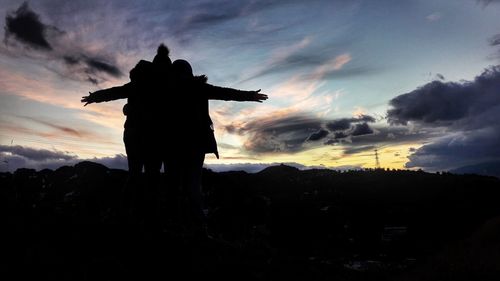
280 59
495 40
434 17
202 14
487 2
312 61
60 129
330 66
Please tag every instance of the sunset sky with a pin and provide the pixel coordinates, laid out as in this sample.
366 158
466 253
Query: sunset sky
418 80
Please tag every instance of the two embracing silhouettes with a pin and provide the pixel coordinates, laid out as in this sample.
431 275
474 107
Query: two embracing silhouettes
168 123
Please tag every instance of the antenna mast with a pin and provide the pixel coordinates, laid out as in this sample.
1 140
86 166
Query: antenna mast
377 162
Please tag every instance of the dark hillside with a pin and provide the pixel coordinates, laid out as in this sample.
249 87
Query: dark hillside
279 224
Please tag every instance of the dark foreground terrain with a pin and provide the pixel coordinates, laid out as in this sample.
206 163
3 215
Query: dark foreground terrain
278 224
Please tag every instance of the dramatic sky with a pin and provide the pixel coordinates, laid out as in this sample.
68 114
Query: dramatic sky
418 80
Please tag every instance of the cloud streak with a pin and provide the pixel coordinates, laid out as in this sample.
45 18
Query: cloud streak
61 129
206 14
35 154
487 2
315 63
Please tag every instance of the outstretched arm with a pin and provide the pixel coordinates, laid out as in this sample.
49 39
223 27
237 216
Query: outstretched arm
114 93
221 93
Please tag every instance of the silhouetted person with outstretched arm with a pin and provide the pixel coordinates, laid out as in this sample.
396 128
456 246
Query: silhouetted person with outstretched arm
139 92
139 137
188 116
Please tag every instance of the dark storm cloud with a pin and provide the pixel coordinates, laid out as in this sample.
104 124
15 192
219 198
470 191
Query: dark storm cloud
436 103
34 154
468 112
340 135
346 123
361 129
295 133
285 134
319 135
339 125
458 150
47 42
25 25
442 104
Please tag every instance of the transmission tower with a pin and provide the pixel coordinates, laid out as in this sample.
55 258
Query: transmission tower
377 162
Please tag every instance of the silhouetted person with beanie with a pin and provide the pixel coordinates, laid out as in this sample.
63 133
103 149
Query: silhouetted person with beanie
184 151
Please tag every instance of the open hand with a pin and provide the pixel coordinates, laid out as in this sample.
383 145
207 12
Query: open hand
258 97
87 99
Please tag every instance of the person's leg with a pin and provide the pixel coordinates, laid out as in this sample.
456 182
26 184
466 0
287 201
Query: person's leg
133 192
132 148
193 185
152 168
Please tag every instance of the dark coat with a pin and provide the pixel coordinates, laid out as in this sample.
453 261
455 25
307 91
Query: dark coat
191 112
